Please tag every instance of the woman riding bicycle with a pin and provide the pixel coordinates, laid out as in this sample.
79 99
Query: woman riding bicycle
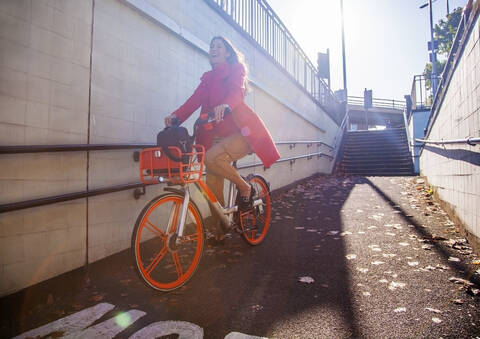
234 135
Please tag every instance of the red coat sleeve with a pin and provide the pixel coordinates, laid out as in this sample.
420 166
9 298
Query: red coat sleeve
236 86
194 102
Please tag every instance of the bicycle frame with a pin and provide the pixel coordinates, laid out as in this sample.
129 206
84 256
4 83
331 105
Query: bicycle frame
224 213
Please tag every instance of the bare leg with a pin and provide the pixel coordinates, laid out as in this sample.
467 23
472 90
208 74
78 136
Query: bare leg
218 160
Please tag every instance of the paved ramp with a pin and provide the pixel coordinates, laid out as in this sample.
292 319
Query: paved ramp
372 257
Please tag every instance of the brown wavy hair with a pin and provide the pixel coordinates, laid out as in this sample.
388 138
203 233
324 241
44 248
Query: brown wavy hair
236 57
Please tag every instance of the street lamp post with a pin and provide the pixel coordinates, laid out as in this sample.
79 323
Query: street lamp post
433 49
343 55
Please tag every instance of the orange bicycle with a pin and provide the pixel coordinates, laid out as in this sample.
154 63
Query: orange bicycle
169 235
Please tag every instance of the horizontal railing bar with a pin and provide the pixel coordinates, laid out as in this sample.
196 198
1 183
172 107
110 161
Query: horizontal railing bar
111 189
102 147
470 141
66 197
320 154
69 148
308 142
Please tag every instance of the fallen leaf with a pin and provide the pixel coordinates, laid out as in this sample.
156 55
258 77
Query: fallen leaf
436 320
453 259
400 309
351 256
394 285
434 310
377 262
460 281
98 297
307 280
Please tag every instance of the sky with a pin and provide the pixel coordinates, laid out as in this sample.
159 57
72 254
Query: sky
385 40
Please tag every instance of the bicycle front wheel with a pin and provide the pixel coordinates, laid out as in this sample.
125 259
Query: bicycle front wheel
164 261
256 222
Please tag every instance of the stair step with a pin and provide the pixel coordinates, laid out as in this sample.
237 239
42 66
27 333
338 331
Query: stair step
387 174
372 140
383 155
375 163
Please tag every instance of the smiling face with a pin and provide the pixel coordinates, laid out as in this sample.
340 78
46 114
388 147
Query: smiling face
218 52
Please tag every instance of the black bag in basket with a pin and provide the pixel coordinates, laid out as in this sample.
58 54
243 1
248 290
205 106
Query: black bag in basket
175 136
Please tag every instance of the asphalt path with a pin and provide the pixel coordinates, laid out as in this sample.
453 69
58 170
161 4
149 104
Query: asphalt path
346 257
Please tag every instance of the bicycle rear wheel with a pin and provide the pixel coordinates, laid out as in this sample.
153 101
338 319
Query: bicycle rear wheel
164 262
256 222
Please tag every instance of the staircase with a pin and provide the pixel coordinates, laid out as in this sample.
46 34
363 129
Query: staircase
378 152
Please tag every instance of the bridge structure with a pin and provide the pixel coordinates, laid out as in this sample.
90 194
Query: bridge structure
88 84
383 113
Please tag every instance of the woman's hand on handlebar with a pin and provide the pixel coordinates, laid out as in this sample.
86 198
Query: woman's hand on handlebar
170 120
220 111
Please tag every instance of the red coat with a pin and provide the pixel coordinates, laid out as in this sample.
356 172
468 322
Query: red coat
224 84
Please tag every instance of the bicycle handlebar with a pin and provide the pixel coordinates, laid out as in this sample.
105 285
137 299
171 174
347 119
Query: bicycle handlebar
204 118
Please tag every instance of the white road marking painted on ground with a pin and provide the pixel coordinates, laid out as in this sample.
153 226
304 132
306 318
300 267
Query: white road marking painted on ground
71 324
110 327
237 335
75 326
185 330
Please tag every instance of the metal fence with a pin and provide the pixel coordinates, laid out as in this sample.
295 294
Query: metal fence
257 20
380 103
421 93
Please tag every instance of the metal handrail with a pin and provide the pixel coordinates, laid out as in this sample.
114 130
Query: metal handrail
469 141
66 197
318 154
69 148
18 149
111 189
308 142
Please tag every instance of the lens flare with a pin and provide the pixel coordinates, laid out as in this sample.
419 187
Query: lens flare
123 320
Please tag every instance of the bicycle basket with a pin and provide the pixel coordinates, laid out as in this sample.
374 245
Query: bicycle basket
156 166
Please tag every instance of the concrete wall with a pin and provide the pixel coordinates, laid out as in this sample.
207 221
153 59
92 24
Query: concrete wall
454 169
416 127
109 71
44 95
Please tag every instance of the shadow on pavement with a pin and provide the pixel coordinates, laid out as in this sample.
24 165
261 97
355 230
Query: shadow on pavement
425 233
252 290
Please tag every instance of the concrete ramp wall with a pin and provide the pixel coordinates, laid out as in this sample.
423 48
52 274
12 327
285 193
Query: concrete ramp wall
109 71
454 169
